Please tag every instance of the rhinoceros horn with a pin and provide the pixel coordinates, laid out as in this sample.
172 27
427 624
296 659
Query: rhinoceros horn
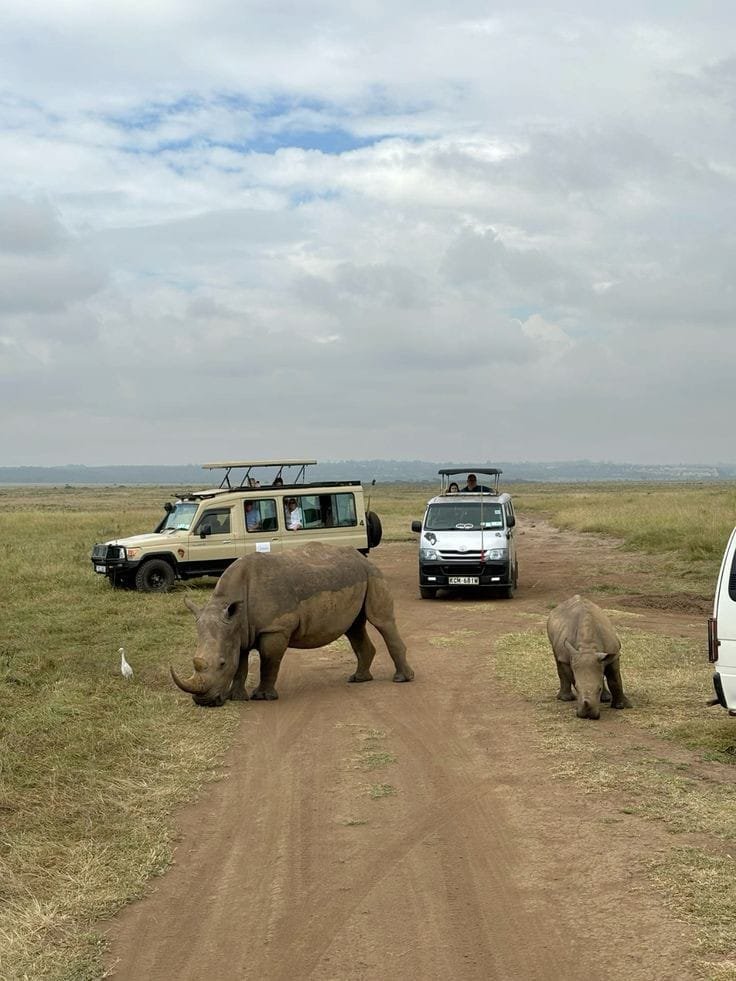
192 687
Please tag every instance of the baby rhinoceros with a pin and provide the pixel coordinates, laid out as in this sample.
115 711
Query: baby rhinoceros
586 651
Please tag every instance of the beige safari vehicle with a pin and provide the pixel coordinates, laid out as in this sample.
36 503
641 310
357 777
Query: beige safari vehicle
204 531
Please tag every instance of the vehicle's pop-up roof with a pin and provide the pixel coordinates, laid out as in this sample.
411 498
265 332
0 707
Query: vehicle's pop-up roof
446 472
249 465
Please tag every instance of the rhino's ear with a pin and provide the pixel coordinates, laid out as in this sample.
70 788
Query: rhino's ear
191 606
232 610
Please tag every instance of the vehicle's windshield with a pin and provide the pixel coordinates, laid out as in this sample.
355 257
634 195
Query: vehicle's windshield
463 517
181 517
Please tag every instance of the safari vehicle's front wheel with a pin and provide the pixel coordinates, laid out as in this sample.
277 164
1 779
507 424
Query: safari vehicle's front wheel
427 592
154 576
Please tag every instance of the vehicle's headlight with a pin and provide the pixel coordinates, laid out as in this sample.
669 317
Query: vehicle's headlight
428 554
132 553
495 554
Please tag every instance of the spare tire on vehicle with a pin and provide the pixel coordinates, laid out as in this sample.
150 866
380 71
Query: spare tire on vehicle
373 528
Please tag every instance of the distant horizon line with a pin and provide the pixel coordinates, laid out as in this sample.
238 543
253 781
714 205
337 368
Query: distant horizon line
400 460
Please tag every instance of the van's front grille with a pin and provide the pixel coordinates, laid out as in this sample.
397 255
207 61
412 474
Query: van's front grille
454 555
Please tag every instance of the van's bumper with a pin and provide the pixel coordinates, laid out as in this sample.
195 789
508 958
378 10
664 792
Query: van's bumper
724 683
440 574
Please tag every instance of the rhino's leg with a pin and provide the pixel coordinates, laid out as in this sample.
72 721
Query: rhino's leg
564 672
237 691
271 648
363 648
613 677
379 610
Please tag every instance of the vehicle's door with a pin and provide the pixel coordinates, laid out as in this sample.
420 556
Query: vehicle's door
213 544
510 519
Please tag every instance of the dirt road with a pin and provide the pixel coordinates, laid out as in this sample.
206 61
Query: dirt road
381 831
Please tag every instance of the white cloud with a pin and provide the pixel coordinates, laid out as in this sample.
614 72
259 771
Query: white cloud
234 211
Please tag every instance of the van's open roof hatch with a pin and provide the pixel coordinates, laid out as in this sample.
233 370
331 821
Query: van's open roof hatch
446 472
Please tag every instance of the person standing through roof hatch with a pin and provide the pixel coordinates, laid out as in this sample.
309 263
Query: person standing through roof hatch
473 485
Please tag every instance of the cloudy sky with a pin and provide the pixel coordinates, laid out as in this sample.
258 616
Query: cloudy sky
417 229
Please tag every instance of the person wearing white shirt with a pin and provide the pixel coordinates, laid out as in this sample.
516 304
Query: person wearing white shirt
293 514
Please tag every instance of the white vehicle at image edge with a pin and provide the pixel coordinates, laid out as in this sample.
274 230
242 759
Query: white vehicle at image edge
722 631
467 535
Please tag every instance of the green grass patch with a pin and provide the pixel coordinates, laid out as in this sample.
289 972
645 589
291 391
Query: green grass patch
375 761
379 790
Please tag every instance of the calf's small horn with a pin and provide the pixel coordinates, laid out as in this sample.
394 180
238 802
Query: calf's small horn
192 687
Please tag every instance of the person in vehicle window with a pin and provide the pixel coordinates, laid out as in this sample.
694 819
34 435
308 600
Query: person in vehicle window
473 485
453 488
252 518
278 482
293 514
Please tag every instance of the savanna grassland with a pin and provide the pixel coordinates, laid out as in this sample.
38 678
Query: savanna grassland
92 766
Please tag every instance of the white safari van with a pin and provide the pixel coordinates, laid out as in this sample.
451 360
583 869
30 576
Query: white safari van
271 508
467 534
722 630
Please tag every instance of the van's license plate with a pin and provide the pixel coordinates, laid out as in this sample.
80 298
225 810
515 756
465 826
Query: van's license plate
100 568
463 580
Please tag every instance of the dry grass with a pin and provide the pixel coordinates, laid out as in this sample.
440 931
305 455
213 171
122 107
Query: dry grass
668 680
91 766
687 525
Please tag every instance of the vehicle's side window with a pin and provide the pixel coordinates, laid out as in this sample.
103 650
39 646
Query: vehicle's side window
345 510
217 521
311 506
732 579
260 515
309 511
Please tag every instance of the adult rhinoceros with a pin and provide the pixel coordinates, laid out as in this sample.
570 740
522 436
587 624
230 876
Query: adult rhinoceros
304 598
586 651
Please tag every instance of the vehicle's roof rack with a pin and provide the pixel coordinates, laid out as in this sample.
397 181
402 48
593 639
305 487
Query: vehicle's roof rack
446 472
249 465
449 471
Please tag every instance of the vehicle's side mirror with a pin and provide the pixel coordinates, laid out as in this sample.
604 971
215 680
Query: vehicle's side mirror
204 531
510 521
416 526
168 507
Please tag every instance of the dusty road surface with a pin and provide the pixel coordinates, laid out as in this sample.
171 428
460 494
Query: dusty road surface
383 831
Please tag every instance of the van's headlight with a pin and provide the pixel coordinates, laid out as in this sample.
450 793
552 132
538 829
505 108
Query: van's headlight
132 553
428 554
495 554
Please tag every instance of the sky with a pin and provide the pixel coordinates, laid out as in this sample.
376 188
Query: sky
342 230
